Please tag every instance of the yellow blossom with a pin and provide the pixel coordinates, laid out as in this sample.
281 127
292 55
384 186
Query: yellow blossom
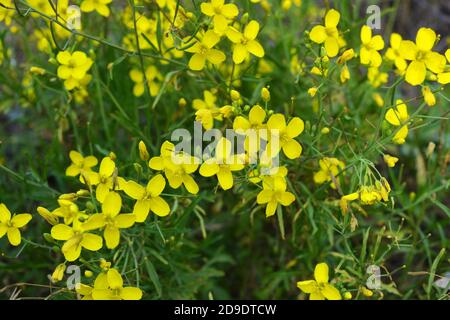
101 6
274 193
320 288
11 225
282 136
329 171
390 160
148 198
222 13
369 54
203 51
328 34
245 43
73 67
222 164
421 56
75 239
111 220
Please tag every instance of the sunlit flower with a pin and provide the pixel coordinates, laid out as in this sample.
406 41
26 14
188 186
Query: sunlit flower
320 288
369 54
148 198
10 225
245 43
328 34
274 193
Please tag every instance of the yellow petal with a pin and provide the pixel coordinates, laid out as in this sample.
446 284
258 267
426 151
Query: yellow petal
112 204
295 127
408 50
277 122
159 206
63 57
292 149
257 115
207 9
308 286
271 208
286 198
14 237
366 34
197 62
114 279
209 168
91 242
156 185
210 39
331 293
318 34
5 214
107 167
190 184
251 30
332 18
240 53
131 293
141 210
225 178
215 56
316 296
20 220
62 232
321 273
125 220
230 10
134 190
112 237
425 39
416 73
255 48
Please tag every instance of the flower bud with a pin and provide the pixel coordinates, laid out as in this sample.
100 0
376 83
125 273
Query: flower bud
143 153
265 94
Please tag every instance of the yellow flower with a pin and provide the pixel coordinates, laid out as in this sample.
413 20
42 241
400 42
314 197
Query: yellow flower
328 34
421 56
221 13
143 153
444 77
265 94
109 286
81 165
153 78
7 14
320 289
111 220
207 110
329 170
101 6
222 164
58 273
369 54
394 54
345 74
75 239
245 43
177 167
255 120
312 91
148 198
103 179
50 217
428 96
203 51
390 160
377 78
73 67
398 116
11 225
274 193
284 136
346 56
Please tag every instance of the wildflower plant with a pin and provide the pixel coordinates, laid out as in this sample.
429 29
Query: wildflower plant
221 149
